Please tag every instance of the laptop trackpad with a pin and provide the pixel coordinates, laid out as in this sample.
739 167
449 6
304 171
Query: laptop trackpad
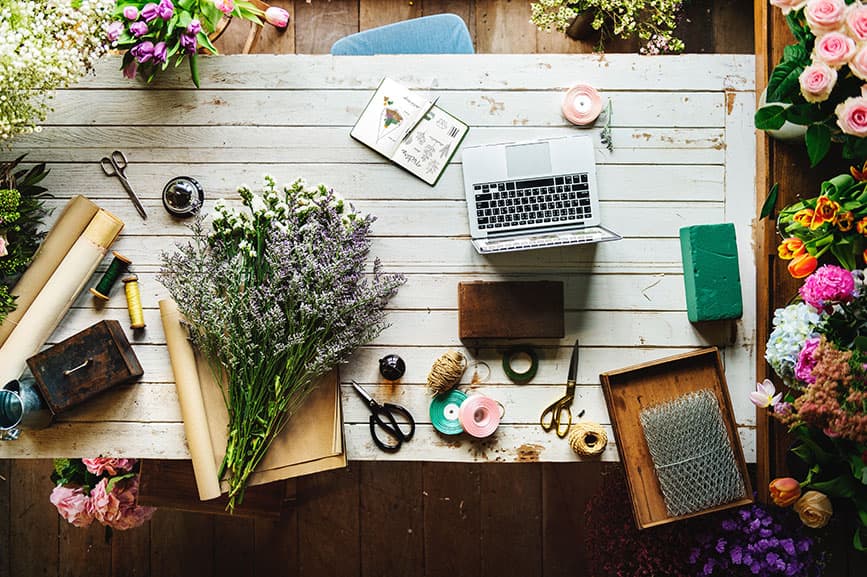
528 159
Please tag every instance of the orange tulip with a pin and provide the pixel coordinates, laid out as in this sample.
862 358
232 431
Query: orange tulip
784 491
790 248
864 255
804 217
861 226
826 211
803 265
859 175
845 221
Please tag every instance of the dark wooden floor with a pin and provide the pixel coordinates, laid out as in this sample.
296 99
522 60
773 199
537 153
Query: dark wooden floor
396 519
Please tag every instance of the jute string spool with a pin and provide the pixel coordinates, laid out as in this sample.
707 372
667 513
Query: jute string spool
446 372
588 438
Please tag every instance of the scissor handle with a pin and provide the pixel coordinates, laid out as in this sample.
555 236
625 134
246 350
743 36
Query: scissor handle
390 426
552 417
119 159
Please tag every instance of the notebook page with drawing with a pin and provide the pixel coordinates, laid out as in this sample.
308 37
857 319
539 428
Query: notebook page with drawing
392 125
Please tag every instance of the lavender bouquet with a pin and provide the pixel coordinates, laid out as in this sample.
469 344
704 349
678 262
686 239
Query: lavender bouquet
276 295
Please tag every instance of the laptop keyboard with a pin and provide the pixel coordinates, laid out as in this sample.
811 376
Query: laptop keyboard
533 202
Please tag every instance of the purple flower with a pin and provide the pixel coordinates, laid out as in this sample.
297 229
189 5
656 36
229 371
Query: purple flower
737 555
150 12
729 525
143 52
829 285
160 52
194 27
130 12
166 9
188 43
113 30
130 69
138 29
806 363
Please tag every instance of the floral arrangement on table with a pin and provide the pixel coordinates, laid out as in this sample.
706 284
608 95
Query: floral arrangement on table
747 541
155 35
21 216
834 222
277 293
651 21
819 348
45 45
101 489
820 81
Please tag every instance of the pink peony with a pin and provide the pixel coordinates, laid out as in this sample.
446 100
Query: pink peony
858 64
73 505
117 508
806 363
817 82
852 114
827 286
101 465
788 5
825 15
856 21
834 49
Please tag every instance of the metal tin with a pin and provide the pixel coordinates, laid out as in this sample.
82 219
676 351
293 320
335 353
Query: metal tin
183 196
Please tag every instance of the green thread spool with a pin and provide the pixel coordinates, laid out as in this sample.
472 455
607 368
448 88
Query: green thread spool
119 265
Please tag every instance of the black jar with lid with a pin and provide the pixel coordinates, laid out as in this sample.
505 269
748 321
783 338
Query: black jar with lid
183 196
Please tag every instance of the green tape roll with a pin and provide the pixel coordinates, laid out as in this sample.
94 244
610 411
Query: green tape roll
444 410
527 375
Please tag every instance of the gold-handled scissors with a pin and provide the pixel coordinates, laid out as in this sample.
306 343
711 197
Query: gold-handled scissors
559 413
115 165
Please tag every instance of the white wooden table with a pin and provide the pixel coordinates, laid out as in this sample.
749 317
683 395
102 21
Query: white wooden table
684 154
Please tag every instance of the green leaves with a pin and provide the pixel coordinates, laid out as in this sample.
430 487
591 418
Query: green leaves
770 201
818 140
771 117
783 84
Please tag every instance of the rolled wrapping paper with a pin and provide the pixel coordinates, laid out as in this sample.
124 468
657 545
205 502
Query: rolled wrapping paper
480 415
582 105
183 361
56 297
75 217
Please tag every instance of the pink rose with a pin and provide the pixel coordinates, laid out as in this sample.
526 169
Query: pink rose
3 243
806 363
852 115
277 17
788 5
73 505
117 508
225 6
825 15
834 49
817 82
858 64
101 465
856 21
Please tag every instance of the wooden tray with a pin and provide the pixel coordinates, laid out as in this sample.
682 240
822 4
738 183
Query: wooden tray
628 391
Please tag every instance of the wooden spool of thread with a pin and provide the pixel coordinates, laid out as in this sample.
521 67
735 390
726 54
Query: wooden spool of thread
133 302
588 438
119 265
446 372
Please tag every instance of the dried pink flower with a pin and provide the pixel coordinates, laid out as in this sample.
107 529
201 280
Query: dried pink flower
102 465
73 504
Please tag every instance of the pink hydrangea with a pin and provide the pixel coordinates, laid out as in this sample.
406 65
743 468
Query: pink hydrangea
117 508
73 504
830 284
102 465
806 363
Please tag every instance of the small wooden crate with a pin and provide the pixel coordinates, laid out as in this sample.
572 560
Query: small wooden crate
510 310
85 364
628 391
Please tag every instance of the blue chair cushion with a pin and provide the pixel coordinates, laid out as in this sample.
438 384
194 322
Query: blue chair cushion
437 34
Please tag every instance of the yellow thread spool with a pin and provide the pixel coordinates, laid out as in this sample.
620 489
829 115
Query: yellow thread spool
133 302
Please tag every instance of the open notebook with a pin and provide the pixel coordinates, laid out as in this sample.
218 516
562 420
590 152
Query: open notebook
409 130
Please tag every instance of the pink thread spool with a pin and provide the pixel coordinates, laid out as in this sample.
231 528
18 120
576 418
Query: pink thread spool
480 415
582 105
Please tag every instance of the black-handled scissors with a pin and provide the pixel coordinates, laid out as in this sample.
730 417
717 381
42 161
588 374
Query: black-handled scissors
554 415
115 165
382 416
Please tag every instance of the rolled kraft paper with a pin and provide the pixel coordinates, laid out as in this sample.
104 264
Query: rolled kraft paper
582 105
75 217
183 361
480 416
56 297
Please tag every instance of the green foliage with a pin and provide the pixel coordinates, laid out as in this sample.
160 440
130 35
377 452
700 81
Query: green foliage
783 84
818 140
770 117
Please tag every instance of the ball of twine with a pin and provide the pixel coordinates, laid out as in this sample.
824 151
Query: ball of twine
588 438
446 372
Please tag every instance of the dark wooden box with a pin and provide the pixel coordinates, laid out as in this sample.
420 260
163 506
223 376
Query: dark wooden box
510 310
84 365
628 391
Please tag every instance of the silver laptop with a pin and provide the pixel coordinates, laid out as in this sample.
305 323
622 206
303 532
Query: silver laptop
530 195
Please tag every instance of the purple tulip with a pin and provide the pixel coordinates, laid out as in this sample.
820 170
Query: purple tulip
188 43
143 52
130 12
166 9
195 27
113 30
160 52
150 12
138 29
130 70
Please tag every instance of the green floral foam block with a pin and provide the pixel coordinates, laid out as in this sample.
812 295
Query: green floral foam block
710 272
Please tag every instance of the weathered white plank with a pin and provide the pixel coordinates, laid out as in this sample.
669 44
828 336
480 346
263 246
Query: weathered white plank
452 72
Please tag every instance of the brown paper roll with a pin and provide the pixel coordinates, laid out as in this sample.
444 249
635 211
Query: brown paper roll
75 217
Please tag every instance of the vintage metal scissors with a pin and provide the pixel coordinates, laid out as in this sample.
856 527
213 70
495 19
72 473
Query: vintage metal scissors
115 165
559 413
382 417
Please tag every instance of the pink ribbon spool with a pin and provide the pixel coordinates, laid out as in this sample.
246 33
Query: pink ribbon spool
582 105
480 415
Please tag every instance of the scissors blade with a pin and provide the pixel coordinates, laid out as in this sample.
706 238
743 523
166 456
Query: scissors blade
364 395
133 196
573 365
